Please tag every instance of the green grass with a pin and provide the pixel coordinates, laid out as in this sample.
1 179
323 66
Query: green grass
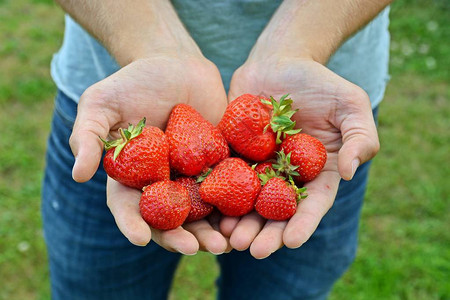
404 238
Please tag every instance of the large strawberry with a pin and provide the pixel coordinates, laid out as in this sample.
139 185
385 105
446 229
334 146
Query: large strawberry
165 205
139 158
195 144
278 199
252 125
232 187
306 152
199 208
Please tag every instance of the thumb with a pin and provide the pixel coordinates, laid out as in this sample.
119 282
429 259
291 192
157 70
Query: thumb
360 144
93 121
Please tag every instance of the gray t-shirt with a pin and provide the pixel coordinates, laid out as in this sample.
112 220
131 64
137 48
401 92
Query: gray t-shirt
226 31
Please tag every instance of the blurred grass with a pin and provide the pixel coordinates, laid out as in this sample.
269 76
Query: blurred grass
404 238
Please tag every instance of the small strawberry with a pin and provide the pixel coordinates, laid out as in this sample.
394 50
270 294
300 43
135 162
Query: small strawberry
278 199
165 205
264 167
139 158
306 152
195 144
199 208
232 187
252 125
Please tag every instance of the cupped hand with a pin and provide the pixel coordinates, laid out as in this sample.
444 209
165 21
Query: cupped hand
149 88
331 109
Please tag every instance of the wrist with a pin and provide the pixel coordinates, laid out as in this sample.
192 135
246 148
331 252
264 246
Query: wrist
131 31
314 29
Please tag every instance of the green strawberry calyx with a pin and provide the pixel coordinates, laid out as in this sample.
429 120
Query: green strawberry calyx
126 135
203 175
284 165
281 121
269 174
301 192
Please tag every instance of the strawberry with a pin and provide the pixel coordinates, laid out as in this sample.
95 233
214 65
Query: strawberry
139 158
306 152
264 167
278 199
252 125
232 187
199 208
165 204
195 144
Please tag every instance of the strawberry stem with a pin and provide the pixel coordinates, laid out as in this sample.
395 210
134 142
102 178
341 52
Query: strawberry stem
126 135
281 121
284 165
203 176
301 192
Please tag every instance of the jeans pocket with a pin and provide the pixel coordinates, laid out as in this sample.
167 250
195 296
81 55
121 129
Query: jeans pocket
65 109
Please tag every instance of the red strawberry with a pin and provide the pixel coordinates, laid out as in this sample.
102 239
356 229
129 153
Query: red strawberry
264 167
165 205
232 187
199 208
306 152
195 144
278 199
252 125
139 158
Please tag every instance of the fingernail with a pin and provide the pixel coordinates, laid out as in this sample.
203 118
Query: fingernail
188 254
73 168
355 165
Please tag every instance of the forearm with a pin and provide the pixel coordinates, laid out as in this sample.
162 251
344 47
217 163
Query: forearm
132 29
315 29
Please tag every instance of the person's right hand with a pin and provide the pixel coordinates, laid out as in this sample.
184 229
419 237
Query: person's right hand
149 88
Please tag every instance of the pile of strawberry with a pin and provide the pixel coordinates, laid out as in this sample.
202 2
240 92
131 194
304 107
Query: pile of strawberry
253 160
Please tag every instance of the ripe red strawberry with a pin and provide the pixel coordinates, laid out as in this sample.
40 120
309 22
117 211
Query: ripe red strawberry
306 152
264 167
232 187
278 199
199 208
195 144
252 125
139 158
165 205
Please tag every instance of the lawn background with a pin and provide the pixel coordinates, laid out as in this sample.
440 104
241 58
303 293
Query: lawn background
404 234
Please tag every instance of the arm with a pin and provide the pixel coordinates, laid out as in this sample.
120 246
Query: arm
314 29
131 30
288 57
162 66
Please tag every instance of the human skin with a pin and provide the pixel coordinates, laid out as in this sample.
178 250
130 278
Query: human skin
162 66
289 57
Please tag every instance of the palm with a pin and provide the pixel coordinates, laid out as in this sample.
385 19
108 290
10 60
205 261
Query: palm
330 108
146 88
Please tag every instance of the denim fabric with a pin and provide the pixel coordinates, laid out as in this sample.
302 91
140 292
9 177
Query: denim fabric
91 259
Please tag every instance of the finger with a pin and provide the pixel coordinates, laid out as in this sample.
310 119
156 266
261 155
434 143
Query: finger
227 225
321 193
124 205
246 230
94 120
209 239
176 240
359 138
269 240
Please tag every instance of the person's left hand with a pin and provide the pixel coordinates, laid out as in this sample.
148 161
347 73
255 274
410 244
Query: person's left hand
331 109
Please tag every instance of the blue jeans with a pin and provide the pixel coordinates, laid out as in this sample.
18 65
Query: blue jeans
90 259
